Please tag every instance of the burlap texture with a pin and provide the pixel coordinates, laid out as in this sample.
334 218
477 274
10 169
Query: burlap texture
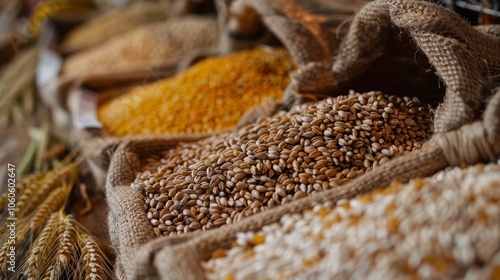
463 136
465 60
129 227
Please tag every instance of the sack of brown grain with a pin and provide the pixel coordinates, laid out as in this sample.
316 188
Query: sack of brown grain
182 187
247 79
149 203
193 204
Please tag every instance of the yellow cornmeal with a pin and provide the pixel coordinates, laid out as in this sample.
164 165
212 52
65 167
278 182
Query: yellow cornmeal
210 96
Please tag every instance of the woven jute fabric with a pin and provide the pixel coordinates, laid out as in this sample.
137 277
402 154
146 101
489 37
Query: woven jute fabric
466 60
129 227
464 134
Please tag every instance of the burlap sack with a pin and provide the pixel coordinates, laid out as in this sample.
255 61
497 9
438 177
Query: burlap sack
65 91
465 60
95 147
283 21
182 257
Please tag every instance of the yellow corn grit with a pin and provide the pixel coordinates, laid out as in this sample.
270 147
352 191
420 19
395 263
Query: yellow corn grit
210 96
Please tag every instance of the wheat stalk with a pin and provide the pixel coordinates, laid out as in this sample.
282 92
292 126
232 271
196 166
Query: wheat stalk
40 250
67 249
65 173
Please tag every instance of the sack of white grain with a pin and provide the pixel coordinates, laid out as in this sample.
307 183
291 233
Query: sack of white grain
440 227
138 202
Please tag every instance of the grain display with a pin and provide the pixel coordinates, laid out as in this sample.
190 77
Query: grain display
113 23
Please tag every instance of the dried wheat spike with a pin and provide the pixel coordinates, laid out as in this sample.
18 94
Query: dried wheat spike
67 249
94 262
40 250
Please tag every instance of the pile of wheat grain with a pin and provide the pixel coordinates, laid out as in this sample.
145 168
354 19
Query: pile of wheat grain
145 46
317 146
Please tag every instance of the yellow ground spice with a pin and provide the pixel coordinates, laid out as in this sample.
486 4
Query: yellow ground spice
210 96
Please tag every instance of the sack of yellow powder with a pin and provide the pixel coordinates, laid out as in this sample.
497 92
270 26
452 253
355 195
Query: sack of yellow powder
210 96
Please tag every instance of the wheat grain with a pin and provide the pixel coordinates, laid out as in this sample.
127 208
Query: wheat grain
146 46
317 146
